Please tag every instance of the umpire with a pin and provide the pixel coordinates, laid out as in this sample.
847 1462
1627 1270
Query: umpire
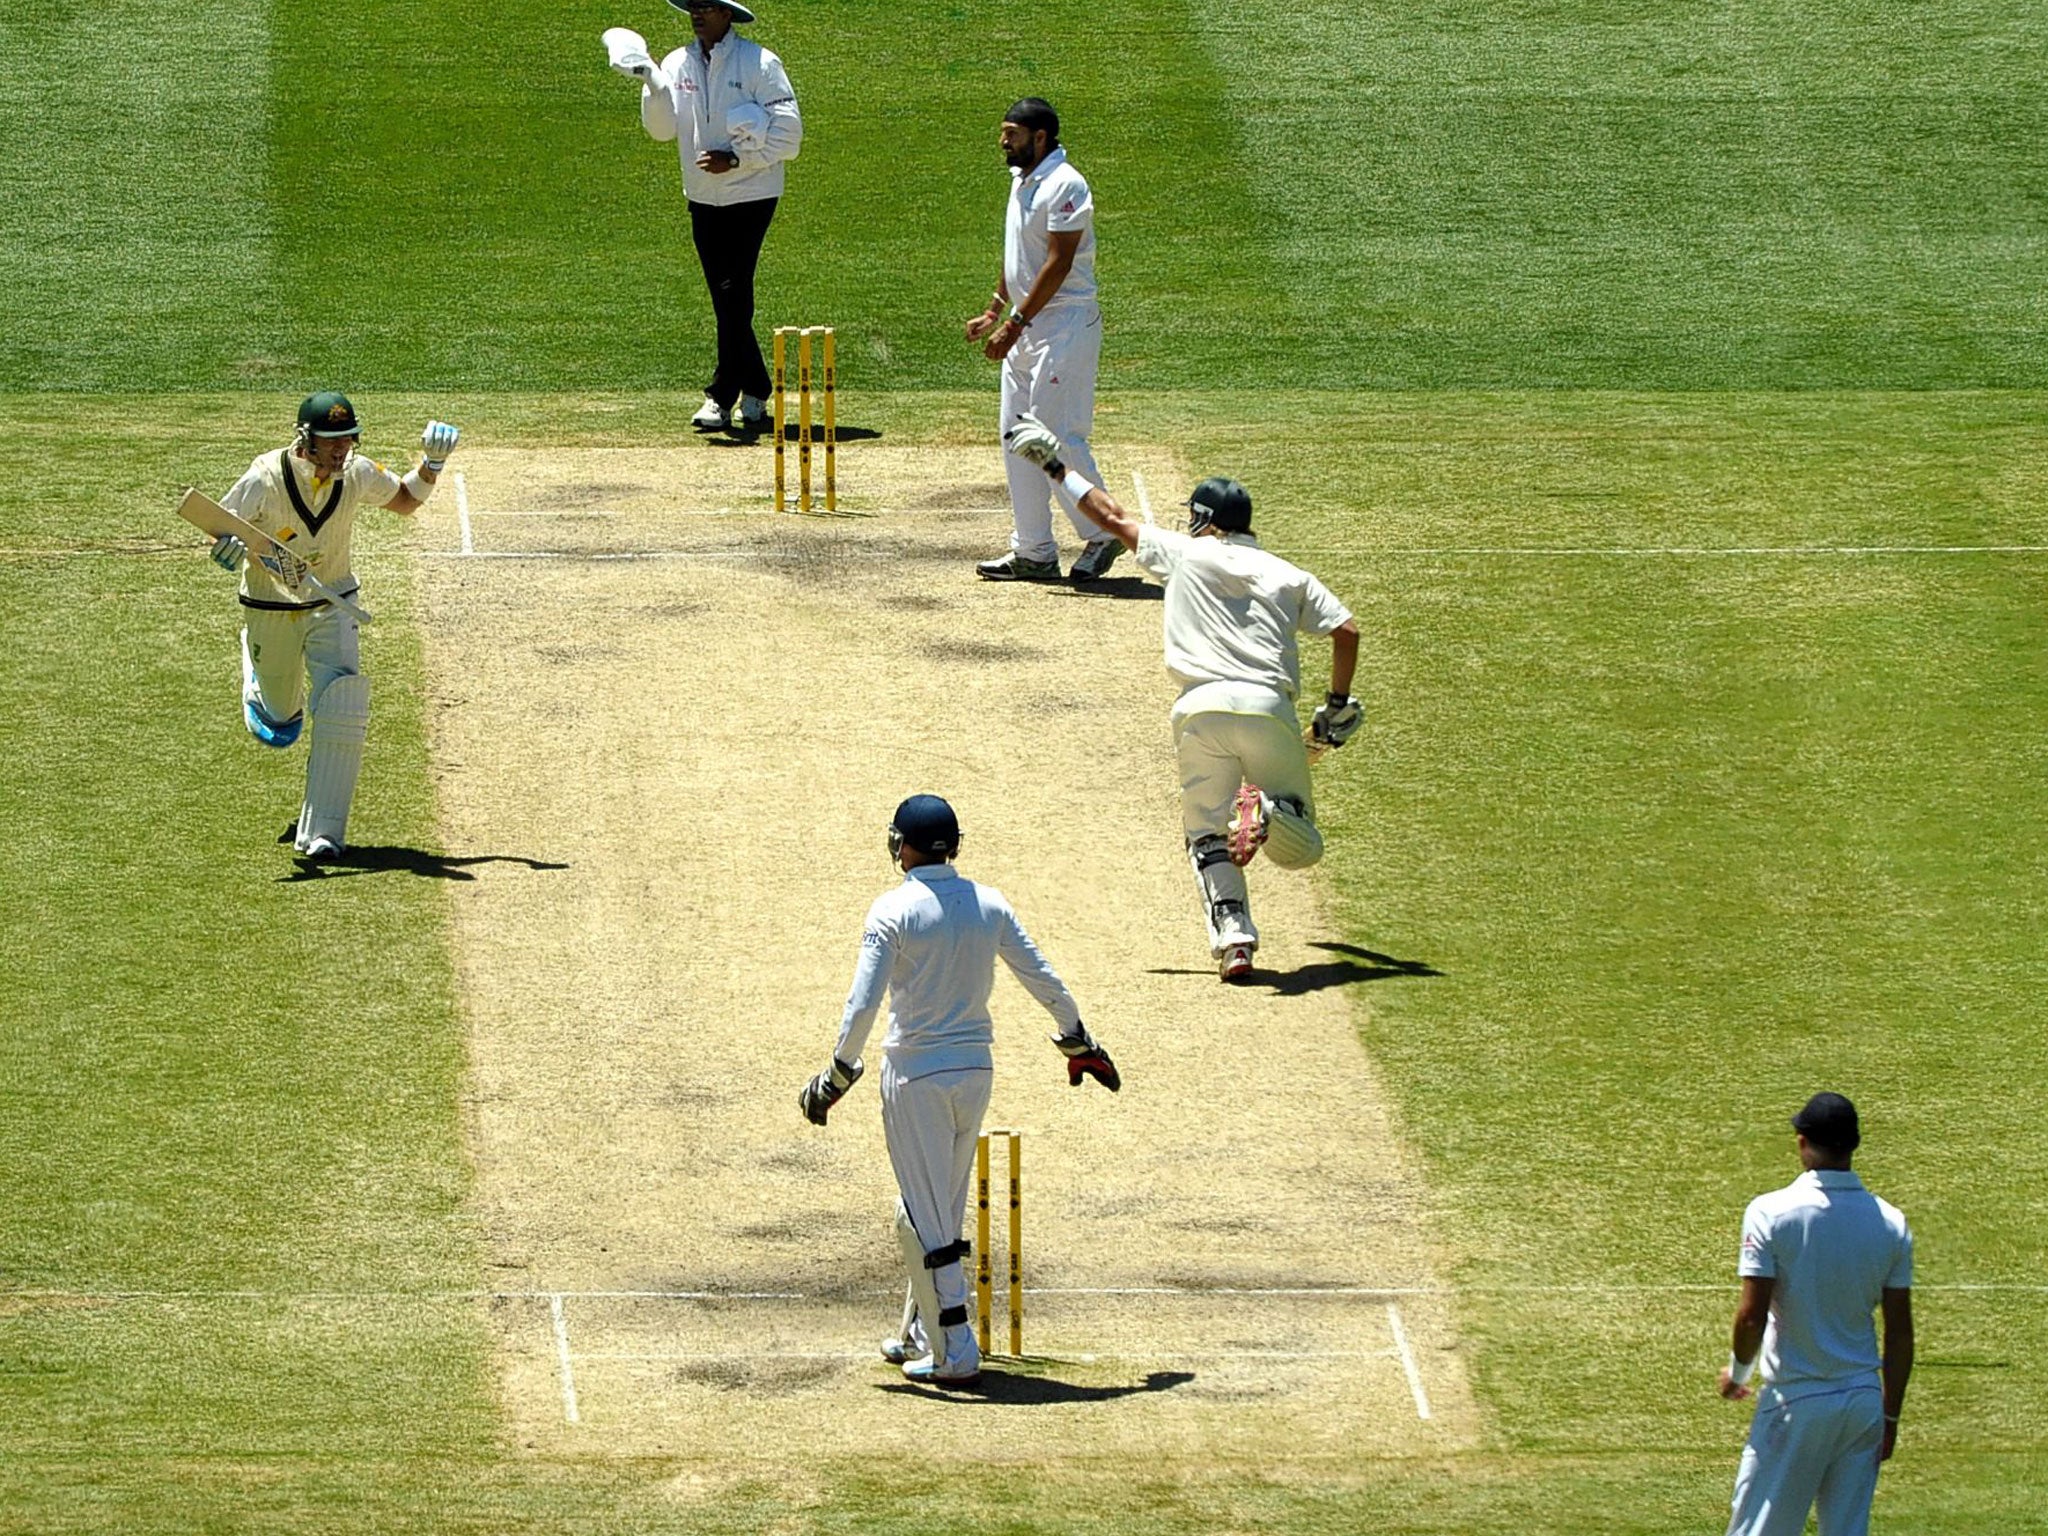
727 103
1818 1256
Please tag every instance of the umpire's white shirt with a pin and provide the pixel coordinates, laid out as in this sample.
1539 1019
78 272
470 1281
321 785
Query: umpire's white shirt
690 106
1232 612
1832 1248
1052 197
931 944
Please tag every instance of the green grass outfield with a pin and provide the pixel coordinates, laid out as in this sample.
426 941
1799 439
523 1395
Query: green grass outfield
1686 835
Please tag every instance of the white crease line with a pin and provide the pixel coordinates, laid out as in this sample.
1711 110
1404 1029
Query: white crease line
1374 1292
1408 1362
1144 497
561 1321
1676 551
462 513
636 1357
651 554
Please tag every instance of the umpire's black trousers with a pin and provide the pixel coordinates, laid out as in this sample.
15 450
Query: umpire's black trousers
728 243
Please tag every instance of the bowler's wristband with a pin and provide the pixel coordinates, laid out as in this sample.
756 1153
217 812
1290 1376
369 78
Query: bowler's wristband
1739 1371
1077 485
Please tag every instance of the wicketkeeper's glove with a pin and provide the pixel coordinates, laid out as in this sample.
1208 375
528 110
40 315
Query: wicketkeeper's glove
1336 720
826 1089
1034 442
1086 1058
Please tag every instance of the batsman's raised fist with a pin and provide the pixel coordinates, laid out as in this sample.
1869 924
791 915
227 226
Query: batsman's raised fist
1033 441
437 442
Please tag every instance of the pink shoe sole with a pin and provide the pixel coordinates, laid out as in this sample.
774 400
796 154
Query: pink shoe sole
1247 825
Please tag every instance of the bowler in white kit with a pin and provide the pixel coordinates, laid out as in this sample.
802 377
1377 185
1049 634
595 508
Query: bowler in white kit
931 945
1049 342
1232 612
301 652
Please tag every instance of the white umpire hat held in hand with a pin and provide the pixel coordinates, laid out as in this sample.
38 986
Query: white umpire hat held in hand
739 12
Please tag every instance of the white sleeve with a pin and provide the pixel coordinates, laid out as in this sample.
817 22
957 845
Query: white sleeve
775 96
658 105
1161 550
870 983
1320 610
1900 1277
246 496
1075 208
373 482
1757 1261
1036 973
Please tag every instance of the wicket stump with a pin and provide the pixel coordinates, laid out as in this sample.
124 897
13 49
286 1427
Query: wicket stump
984 1276
828 377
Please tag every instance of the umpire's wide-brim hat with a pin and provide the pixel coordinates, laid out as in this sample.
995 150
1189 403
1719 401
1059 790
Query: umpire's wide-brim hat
739 12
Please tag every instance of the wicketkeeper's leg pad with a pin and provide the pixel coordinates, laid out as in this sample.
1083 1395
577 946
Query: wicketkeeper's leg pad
923 1282
341 719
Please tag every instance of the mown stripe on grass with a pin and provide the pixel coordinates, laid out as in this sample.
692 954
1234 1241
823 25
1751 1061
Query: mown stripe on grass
135 239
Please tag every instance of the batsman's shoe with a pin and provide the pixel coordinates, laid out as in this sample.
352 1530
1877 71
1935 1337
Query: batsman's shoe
898 1349
1014 567
710 416
1235 963
1247 825
1095 560
752 415
959 1367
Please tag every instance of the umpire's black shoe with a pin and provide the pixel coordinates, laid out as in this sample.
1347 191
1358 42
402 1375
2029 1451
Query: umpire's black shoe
1014 567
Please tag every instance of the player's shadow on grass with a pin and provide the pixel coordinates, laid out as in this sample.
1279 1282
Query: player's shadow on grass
841 433
1353 965
1030 1391
1130 589
404 861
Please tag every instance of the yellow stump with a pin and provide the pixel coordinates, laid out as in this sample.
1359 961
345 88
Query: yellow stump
1016 1245
831 425
803 419
781 485
982 1276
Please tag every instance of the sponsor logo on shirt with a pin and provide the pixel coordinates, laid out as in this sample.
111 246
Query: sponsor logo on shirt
1067 206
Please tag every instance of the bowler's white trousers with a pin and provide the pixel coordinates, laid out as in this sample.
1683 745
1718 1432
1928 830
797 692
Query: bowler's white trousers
1814 1451
931 1124
1050 372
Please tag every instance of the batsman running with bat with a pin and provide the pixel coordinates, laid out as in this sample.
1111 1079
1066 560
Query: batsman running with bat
931 944
1232 612
300 646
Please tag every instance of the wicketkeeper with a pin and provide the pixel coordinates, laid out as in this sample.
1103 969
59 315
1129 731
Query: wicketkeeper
1232 612
300 649
931 944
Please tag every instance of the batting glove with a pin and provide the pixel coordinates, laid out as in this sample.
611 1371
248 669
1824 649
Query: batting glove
1033 442
1086 1058
436 443
230 553
1337 720
826 1089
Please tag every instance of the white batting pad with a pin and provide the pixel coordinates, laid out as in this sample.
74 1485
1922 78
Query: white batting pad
340 721
1226 902
1292 841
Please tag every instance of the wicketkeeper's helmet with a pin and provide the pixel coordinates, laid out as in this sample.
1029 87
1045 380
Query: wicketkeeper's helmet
928 824
1221 504
328 414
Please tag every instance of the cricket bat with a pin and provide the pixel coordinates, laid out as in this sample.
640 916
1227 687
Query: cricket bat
210 517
